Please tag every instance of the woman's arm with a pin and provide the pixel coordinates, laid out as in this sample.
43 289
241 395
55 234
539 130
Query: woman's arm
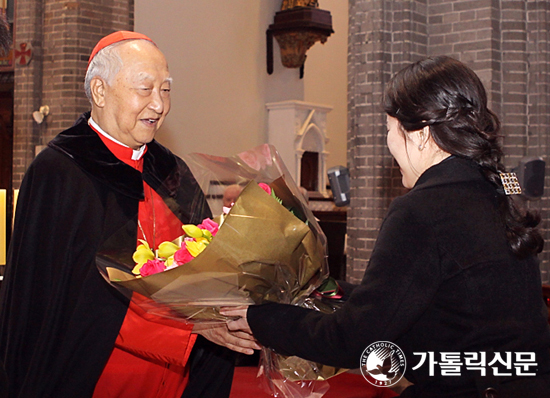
399 284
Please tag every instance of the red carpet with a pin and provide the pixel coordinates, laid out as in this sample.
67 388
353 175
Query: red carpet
345 385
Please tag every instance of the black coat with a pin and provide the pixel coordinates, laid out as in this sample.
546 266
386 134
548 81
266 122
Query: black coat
59 318
441 278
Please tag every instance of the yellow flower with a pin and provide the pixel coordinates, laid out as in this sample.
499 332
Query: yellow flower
169 261
195 248
144 243
192 231
142 254
167 249
203 241
207 234
137 268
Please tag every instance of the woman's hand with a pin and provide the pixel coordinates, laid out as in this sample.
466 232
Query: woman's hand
240 323
236 340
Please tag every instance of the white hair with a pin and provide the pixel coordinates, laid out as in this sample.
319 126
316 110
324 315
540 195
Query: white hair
105 65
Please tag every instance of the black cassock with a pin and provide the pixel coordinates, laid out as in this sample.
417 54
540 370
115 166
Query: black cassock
59 318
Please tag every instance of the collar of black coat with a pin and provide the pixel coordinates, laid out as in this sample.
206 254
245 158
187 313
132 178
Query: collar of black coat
451 170
85 148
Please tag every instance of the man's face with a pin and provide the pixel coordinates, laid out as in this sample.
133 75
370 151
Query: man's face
138 99
231 194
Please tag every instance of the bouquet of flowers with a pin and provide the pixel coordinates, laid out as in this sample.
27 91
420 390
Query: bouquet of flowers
173 254
267 247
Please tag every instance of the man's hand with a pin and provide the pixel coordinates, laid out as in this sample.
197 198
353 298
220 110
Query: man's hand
236 340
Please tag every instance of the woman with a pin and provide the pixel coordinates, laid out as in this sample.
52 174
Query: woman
454 269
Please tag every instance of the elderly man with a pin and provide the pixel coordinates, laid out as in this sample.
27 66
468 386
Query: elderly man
99 187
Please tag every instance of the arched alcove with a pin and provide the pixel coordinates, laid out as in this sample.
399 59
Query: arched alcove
311 159
298 130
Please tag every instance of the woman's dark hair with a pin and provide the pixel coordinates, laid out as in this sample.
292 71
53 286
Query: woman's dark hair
447 96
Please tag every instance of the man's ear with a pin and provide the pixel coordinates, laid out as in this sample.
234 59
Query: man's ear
97 88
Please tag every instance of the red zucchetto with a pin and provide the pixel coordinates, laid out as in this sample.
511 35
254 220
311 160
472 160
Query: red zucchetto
115 37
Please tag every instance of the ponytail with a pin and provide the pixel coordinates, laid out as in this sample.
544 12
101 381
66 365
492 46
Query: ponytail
447 96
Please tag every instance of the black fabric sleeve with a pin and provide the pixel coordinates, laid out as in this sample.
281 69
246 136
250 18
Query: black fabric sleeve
347 288
59 319
399 283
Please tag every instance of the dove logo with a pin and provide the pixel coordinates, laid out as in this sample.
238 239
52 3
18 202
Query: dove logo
383 364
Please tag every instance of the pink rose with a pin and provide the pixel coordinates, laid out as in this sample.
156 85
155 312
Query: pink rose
183 256
209 225
265 187
152 267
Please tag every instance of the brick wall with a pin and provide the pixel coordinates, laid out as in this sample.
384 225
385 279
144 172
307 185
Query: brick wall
383 37
537 83
28 81
505 42
62 34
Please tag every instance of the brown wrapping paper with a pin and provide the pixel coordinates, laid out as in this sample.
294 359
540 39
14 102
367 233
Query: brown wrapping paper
262 252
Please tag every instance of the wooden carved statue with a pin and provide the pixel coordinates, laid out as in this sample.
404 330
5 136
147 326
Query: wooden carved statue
288 4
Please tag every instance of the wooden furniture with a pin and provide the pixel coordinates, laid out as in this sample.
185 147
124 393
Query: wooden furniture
333 223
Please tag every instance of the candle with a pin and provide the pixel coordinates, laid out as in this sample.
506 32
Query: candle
15 196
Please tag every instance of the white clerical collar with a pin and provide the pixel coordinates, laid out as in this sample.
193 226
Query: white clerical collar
136 155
